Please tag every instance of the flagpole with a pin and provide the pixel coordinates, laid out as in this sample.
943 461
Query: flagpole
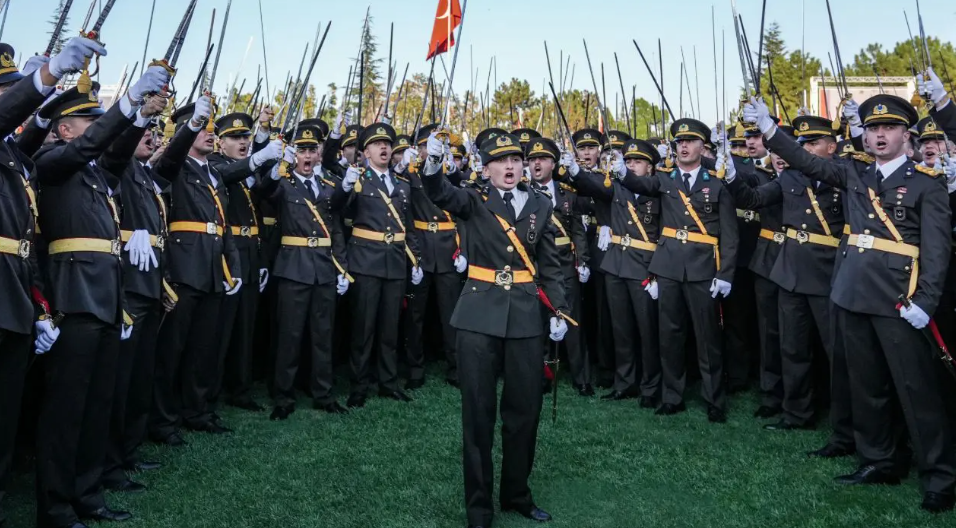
454 62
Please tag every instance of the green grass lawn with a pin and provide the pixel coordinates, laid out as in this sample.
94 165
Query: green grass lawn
394 465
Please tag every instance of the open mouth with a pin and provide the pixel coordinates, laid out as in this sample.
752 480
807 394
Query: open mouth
880 144
510 177
243 151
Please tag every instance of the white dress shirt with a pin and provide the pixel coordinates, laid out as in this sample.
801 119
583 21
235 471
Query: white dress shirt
890 167
553 189
693 176
518 199
384 176
312 182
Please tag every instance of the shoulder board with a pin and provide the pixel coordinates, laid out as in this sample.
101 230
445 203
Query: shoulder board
766 169
712 172
862 156
562 171
927 171
541 191
567 187
328 182
666 169
400 178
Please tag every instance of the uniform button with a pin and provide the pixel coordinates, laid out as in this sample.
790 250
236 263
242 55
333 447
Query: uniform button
866 231
474 289
629 222
861 250
871 215
507 287
94 186
899 196
177 240
434 218
906 268
388 215
687 213
809 211
507 268
11 164
510 248
313 232
899 202
803 226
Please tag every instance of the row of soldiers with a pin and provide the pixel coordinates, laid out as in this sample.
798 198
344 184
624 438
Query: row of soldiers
156 257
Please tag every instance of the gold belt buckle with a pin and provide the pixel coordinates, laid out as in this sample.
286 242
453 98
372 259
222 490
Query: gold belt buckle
210 228
504 278
245 231
313 242
749 215
779 238
682 235
160 242
23 250
625 242
388 238
803 237
864 241
432 227
115 248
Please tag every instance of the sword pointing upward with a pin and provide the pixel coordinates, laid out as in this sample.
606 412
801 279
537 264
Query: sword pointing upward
58 29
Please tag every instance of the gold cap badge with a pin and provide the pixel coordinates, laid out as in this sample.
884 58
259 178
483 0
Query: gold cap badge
880 109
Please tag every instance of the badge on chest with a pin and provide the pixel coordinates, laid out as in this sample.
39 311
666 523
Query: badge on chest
532 228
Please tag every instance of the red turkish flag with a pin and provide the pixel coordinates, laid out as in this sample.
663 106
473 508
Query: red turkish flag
447 18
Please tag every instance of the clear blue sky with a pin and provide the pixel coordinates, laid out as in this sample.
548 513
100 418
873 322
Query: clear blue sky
511 30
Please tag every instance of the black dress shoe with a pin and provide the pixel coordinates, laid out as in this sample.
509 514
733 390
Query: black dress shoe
126 486
868 475
647 402
355 401
144 465
453 382
937 502
832 451
332 407
586 390
106 514
281 413
716 415
396 395
534 513
173 440
766 412
669 409
247 404
414 384
616 396
784 425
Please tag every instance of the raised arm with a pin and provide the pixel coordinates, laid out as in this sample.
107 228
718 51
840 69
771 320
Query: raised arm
455 200
19 102
171 162
591 184
747 197
649 185
814 167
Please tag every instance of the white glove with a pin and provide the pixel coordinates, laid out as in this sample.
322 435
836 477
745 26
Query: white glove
720 287
341 285
559 327
915 316
461 263
584 273
73 55
288 155
46 336
202 110
387 120
851 111
716 137
478 167
803 111
604 237
343 161
931 87
263 279
235 289
949 168
617 164
407 158
125 332
153 81
651 289
33 64
351 176
664 150
470 147
726 162
271 151
417 275
568 162
434 146
140 251
756 111
336 131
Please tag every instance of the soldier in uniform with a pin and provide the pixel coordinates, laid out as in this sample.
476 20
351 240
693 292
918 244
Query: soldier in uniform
20 278
383 235
202 259
500 322
310 270
889 282
694 265
812 225
148 295
81 222
442 263
571 240
631 290
237 313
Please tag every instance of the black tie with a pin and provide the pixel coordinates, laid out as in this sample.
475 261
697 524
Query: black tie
511 208
879 182
687 182
308 185
384 176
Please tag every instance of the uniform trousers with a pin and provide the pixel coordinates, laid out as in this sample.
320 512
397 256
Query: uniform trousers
306 314
447 288
768 327
637 354
15 353
376 306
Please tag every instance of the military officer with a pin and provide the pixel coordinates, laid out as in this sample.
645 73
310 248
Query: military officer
20 279
542 155
631 290
889 282
694 264
499 321
202 262
81 222
383 236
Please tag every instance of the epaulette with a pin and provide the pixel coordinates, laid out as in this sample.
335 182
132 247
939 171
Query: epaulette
863 157
712 173
401 178
328 182
542 191
562 171
567 187
766 169
927 170
666 169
